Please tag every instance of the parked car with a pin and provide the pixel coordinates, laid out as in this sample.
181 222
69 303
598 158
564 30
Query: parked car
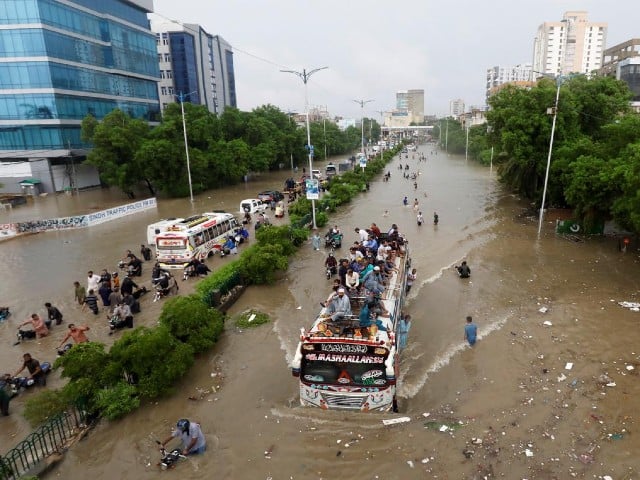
269 195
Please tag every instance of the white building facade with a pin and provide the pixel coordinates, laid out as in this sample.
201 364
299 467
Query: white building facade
572 45
498 76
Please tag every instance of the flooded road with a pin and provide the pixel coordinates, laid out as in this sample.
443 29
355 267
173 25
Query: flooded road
506 391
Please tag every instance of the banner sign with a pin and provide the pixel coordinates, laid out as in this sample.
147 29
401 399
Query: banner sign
313 188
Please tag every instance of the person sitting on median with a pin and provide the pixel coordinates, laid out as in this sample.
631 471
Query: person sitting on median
340 306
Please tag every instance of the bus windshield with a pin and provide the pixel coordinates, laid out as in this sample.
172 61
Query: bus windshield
346 374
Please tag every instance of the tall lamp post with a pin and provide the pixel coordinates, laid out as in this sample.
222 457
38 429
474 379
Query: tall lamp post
546 175
186 144
304 76
381 112
362 103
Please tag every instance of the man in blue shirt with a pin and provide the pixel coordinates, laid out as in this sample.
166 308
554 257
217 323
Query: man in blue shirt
193 441
470 331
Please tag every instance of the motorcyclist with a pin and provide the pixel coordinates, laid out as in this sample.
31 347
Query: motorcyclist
35 371
332 264
190 269
189 432
122 317
134 267
463 270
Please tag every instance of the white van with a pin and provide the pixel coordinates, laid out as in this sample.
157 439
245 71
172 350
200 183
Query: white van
157 228
252 205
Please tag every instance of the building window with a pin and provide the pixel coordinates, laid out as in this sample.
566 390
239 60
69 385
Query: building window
163 90
169 74
170 90
167 57
159 57
162 75
165 39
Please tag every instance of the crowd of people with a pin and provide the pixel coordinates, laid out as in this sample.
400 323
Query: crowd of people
363 276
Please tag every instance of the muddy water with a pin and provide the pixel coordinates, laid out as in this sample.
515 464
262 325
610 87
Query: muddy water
505 391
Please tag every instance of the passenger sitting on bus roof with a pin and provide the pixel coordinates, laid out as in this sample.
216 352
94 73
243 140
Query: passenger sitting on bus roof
352 280
340 306
375 305
370 243
373 282
334 292
366 268
374 230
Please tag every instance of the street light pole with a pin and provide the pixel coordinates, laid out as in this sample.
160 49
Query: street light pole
466 145
186 144
304 76
362 103
446 138
324 127
546 175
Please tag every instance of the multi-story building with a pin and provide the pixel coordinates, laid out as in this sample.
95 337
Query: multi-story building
411 102
573 45
195 64
498 76
61 60
456 107
622 61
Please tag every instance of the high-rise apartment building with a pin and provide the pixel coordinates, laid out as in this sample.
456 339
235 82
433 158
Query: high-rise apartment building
194 63
411 102
61 60
456 107
498 76
572 45
622 61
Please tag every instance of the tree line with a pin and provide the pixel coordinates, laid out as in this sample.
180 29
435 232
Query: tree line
222 149
595 160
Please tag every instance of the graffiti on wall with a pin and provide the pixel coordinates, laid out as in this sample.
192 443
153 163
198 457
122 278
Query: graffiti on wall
77 221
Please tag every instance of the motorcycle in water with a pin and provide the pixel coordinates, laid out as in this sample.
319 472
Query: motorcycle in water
169 459
19 383
333 240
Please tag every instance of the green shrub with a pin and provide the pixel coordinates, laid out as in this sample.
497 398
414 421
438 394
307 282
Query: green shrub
272 235
223 279
190 321
244 320
44 405
260 263
116 401
153 357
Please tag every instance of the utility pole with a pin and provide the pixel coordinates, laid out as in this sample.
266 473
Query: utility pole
362 103
304 76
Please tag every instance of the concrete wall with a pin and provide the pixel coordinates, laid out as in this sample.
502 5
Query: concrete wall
54 178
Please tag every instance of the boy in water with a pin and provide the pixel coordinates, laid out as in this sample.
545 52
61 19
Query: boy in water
470 331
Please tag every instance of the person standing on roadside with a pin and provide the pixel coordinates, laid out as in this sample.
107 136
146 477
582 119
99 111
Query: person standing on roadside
79 293
436 219
470 331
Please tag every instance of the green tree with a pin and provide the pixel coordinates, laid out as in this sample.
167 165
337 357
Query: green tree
152 357
190 321
116 139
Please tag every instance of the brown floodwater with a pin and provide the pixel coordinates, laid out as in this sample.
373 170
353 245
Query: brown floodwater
505 391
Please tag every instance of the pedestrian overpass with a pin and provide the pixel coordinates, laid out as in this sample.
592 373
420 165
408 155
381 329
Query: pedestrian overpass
401 133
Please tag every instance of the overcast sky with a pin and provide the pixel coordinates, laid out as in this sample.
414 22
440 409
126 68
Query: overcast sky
374 48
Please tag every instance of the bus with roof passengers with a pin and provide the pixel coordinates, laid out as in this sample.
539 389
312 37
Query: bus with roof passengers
199 236
353 363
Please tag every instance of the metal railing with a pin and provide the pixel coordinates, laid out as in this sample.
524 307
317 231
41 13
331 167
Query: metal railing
48 439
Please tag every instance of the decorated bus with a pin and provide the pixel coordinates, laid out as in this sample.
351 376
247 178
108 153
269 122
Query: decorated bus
198 237
352 362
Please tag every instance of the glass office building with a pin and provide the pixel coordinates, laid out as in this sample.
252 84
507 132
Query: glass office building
63 60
